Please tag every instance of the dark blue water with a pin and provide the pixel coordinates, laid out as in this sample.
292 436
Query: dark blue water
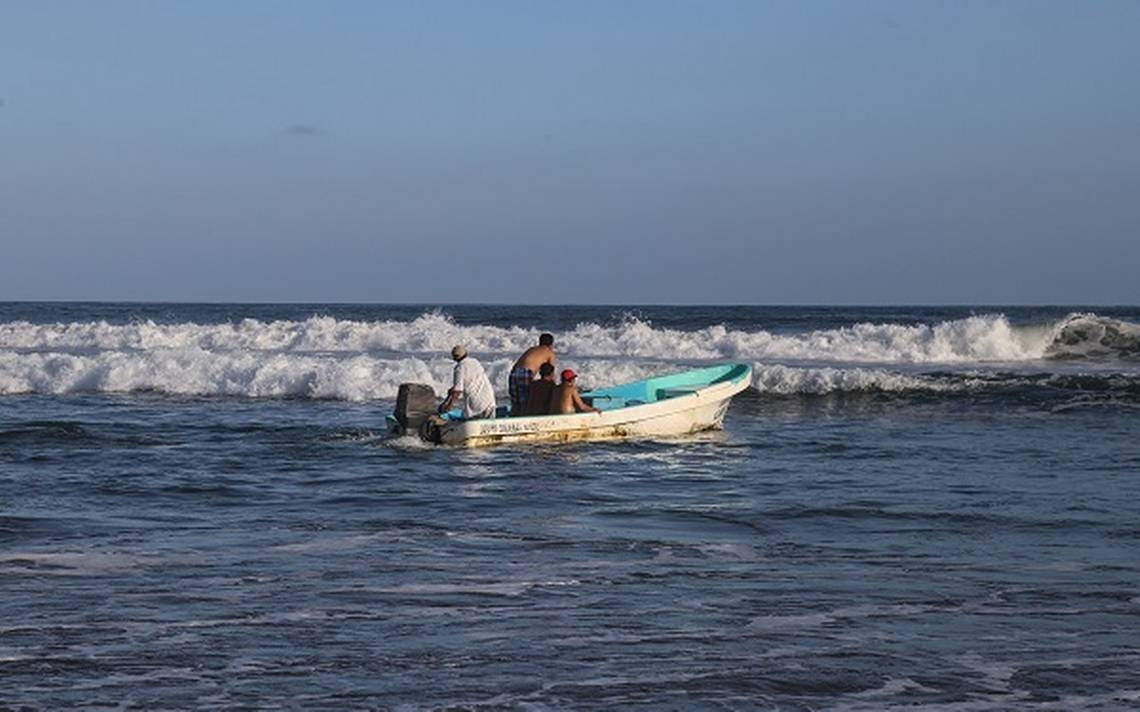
967 540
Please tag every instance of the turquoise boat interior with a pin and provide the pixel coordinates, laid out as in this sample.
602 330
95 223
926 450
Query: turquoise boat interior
649 390
659 388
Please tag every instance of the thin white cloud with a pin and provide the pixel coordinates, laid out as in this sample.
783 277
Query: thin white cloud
304 130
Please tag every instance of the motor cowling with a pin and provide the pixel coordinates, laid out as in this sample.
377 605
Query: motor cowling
415 403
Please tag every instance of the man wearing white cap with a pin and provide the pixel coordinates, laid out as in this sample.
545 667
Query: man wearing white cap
470 382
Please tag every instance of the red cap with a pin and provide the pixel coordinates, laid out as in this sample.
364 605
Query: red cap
569 375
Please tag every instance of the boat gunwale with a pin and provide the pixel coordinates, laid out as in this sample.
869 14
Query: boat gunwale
463 432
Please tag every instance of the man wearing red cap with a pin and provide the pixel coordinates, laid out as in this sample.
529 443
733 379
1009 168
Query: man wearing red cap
566 398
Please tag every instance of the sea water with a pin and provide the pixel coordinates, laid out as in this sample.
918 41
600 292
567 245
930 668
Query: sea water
934 508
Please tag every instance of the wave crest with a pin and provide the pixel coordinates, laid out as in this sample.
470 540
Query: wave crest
784 380
325 357
1088 336
977 338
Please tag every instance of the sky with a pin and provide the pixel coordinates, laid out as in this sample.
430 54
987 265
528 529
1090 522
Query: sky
588 152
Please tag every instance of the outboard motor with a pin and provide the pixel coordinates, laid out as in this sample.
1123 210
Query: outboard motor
415 403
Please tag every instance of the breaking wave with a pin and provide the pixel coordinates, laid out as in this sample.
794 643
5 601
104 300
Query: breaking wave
786 380
325 357
1088 336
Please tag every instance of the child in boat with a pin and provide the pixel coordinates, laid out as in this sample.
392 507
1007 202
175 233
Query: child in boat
566 398
540 392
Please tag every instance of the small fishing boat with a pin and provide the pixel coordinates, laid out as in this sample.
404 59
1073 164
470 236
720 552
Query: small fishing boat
669 405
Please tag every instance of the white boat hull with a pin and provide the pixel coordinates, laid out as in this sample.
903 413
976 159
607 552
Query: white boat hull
702 409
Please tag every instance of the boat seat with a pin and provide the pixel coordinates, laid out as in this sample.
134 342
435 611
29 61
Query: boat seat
663 393
609 402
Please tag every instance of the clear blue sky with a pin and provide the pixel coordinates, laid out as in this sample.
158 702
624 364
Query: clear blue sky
590 152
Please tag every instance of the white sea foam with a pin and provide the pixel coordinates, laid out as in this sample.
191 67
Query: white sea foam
978 338
324 357
1092 336
785 380
74 564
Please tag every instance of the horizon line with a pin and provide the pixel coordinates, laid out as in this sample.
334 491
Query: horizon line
872 305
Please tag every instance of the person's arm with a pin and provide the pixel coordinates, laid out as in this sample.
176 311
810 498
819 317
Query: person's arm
582 406
456 391
452 396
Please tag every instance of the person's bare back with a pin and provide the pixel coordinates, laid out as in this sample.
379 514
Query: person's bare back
526 368
533 358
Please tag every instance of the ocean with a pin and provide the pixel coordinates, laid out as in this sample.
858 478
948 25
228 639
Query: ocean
911 508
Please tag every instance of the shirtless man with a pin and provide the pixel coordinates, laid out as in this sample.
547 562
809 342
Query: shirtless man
566 398
522 373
